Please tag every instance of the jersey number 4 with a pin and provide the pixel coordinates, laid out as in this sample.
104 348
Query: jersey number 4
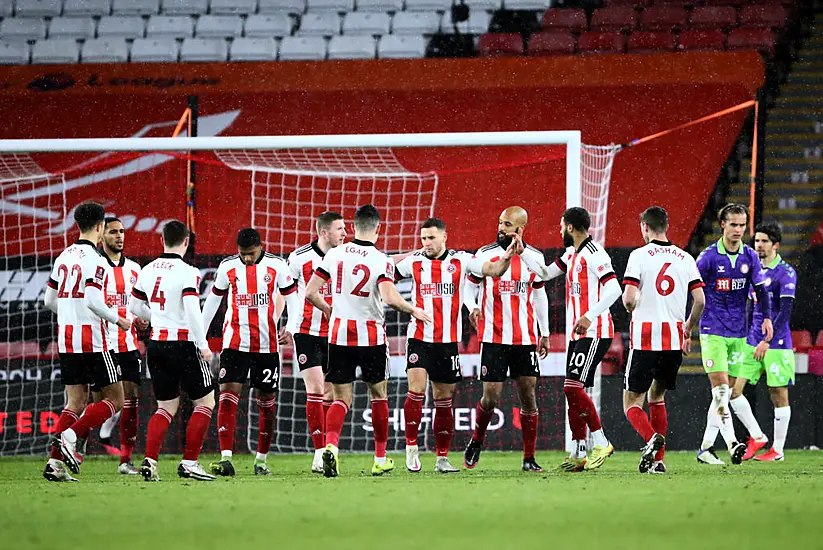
359 269
158 296
76 271
664 283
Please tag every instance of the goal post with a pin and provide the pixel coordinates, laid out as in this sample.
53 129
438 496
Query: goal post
293 179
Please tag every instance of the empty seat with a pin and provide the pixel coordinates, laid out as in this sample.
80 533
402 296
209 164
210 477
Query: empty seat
622 19
78 8
365 23
219 26
16 52
135 7
652 41
626 3
59 50
185 7
601 42
6 8
702 40
763 16
551 43
535 5
663 18
428 5
154 50
253 49
572 20
319 24
261 26
39 8
713 17
22 28
450 45
398 47
302 48
487 5
233 7
733 3
380 5
521 22
295 7
339 6
407 22
175 26
127 26
352 47
71 27
478 23
204 49
105 50
500 45
818 342
761 40
801 340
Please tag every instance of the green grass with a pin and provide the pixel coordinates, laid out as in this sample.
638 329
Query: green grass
496 506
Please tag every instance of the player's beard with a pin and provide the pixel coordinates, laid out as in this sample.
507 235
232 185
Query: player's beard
568 240
503 240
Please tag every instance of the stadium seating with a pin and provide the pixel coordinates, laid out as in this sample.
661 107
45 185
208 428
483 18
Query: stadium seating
500 45
352 47
253 49
572 20
14 53
219 26
292 7
601 42
551 43
818 342
763 16
55 51
396 46
267 26
366 23
319 24
79 28
713 17
761 40
18 28
621 19
232 7
105 50
297 48
128 27
801 340
38 8
416 23
88 8
135 7
185 7
204 49
652 42
173 26
155 50
663 18
702 40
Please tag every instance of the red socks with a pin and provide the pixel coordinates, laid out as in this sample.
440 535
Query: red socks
196 432
128 429
326 406
93 417
67 418
443 425
334 422
316 418
380 423
528 421
481 424
266 408
577 423
660 423
413 412
640 422
158 426
227 419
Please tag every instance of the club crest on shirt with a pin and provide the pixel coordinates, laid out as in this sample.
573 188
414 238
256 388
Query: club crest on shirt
744 268
413 358
267 278
302 358
483 370
133 279
222 373
578 268
451 268
768 281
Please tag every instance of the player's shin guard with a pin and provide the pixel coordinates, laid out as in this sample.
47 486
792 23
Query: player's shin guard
640 422
443 425
334 422
158 426
720 401
128 429
315 418
782 416
660 423
528 421
380 423
743 410
413 413
66 420
227 421
93 417
196 432
267 409
482 424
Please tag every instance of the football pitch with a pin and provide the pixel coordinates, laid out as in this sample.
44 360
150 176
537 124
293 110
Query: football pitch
756 505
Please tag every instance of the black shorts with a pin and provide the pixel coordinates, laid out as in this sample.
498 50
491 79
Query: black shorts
262 369
583 357
344 360
176 366
441 361
311 351
98 369
130 366
498 360
644 366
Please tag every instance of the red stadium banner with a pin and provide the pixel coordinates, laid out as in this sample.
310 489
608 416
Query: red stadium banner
611 99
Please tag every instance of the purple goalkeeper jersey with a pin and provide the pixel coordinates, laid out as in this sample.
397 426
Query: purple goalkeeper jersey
780 281
728 278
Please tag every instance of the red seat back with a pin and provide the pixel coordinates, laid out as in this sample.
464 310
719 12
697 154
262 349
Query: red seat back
707 40
551 43
713 17
663 18
601 42
801 340
763 16
573 20
622 19
761 40
648 42
500 45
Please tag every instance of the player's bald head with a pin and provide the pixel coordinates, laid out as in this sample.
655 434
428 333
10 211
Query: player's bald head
517 215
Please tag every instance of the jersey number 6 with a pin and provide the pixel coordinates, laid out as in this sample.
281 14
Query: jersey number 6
664 283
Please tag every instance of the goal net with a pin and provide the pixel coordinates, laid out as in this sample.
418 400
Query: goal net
287 187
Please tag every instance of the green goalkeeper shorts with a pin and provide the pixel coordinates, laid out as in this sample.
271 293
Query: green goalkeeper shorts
721 354
778 364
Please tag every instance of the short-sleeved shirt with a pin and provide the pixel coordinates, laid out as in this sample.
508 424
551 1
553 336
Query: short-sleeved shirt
120 280
355 270
728 278
302 263
781 282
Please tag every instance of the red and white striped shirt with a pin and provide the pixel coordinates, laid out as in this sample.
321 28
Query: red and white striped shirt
664 276
79 330
508 301
355 270
251 322
587 271
302 263
438 288
120 280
